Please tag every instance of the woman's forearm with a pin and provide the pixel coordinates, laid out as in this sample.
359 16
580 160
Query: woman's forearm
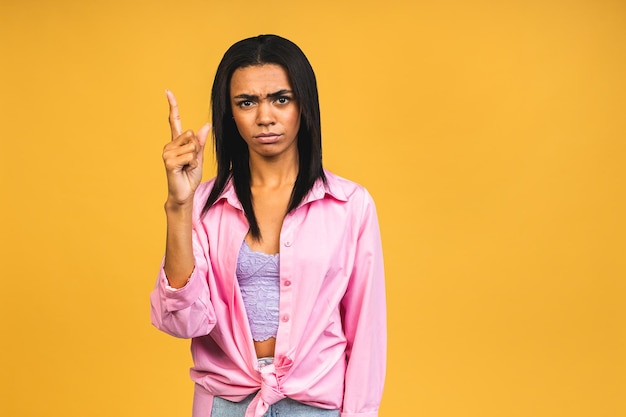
179 260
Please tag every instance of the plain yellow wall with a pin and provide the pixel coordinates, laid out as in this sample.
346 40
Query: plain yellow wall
491 134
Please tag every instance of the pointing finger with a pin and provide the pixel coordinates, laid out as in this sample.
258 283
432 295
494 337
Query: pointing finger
174 116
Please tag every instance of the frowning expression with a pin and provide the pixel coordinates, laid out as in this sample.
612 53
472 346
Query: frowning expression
265 110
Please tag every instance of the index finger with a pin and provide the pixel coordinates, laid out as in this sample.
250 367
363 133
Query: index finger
174 117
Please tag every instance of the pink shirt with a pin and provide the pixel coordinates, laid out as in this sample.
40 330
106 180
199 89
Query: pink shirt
331 342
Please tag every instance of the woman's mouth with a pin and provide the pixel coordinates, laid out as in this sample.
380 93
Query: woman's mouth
269 137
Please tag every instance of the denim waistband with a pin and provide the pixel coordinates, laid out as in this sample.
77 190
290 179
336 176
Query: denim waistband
266 360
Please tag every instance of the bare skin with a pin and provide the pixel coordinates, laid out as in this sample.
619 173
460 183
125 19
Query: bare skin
183 158
268 118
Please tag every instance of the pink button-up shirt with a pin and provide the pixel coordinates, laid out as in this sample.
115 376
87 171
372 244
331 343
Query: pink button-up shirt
331 342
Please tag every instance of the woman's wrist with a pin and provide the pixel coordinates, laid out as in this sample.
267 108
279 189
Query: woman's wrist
173 207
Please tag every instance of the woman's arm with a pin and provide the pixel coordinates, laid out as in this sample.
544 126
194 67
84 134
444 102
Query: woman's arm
365 322
183 158
181 302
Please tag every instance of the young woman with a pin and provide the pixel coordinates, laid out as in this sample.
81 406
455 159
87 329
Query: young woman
274 268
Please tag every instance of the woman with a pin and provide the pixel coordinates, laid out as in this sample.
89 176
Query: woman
273 268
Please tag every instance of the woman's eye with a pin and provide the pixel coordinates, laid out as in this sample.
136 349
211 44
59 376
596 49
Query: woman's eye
283 100
245 103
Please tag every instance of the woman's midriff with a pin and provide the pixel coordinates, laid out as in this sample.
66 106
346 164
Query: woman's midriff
265 348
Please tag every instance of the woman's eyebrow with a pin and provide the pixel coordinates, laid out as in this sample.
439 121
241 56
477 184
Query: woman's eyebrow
280 93
276 94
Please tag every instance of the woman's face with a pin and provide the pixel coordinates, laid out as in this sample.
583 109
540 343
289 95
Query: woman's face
265 110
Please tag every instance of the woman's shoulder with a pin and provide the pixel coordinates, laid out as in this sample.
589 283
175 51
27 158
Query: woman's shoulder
203 190
345 189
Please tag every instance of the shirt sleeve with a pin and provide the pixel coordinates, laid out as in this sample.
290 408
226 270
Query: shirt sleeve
365 322
184 312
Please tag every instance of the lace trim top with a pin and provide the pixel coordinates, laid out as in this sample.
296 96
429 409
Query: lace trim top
259 282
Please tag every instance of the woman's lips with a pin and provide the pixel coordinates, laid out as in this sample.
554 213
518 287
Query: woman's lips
268 137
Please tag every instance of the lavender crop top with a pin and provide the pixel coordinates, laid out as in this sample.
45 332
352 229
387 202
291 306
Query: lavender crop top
259 282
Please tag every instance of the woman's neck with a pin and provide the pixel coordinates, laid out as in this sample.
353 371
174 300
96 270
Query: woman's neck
273 172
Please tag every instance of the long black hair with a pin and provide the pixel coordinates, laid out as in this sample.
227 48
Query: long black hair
232 151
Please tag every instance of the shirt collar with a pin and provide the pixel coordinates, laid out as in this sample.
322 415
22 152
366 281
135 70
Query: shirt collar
331 188
319 191
230 195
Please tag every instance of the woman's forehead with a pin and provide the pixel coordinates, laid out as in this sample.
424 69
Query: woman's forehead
259 79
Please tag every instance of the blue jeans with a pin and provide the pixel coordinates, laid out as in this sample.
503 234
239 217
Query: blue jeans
283 408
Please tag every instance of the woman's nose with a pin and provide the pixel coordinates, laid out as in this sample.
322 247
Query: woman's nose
265 115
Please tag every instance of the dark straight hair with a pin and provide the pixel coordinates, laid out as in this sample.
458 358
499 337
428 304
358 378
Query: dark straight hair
232 151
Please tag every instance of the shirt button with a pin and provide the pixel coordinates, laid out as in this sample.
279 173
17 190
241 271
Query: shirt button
287 283
288 243
286 318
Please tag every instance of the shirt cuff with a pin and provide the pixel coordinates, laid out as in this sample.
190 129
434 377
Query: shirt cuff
180 298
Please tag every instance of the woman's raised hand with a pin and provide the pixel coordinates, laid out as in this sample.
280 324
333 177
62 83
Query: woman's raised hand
183 157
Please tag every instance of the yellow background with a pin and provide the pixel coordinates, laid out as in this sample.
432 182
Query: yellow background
491 134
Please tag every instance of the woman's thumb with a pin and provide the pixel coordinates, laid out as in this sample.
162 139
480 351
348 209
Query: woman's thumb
203 133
